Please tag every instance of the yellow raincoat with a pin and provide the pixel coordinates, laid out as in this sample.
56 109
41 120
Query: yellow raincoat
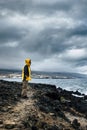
28 63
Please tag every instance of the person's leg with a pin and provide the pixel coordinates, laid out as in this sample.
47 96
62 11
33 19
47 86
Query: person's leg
29 87
24 89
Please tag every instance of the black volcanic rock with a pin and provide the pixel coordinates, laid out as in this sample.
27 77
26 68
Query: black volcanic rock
46 108
9 93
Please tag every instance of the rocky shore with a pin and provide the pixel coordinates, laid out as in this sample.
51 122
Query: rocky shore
47 108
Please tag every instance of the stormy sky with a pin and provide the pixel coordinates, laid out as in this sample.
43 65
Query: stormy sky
53 33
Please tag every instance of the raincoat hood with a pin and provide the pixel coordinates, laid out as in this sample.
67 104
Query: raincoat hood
28 61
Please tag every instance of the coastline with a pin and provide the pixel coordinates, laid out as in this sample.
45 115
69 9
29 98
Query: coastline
48 108
67 84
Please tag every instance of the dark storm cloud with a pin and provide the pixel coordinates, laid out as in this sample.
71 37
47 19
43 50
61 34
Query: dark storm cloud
26 6
48 41
46 31
10 34
79 30
16 5
41 6
10 31
73 8
52 41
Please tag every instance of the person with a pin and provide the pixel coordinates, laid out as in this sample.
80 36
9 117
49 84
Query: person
26 76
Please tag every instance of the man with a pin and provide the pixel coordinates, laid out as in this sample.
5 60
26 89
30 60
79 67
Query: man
26 76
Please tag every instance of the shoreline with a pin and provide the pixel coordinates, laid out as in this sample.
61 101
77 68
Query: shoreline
48 108
67 84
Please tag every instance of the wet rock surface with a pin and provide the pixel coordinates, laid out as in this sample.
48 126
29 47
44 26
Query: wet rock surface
47 108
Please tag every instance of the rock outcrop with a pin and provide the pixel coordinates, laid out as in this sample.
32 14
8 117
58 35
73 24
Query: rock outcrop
47 108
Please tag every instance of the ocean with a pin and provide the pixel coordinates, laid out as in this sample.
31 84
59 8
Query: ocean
79 84
67 81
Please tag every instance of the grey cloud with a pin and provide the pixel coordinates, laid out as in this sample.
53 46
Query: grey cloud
79 30
53 38
76 61
72 8
26 6
20 6
79 9
81 63
51 8
46 43
9 32
51 41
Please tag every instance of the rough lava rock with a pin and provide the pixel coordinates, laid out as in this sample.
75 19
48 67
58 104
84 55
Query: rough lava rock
47 108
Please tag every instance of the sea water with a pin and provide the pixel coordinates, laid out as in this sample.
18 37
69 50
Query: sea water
79 84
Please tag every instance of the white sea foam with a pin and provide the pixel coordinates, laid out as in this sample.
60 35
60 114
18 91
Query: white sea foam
68 84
